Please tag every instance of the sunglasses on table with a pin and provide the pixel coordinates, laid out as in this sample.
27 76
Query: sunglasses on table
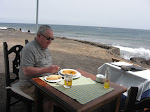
49 38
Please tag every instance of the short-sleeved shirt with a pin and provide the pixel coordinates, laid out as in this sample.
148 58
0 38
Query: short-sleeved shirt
33 55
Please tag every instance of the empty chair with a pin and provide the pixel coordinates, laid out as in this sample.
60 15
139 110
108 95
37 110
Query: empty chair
131 105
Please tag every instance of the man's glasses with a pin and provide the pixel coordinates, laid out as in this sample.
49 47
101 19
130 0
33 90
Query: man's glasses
48 37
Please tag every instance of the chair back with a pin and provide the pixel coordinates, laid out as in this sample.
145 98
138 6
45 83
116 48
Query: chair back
26 41
131 99
15 62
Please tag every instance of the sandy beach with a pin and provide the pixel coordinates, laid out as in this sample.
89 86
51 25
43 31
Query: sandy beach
65 52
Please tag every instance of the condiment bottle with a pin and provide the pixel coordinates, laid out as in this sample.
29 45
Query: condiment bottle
107 78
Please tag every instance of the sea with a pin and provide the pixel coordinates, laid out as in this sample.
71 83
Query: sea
131 42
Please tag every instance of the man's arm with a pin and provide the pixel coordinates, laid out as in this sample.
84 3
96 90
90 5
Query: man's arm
35 71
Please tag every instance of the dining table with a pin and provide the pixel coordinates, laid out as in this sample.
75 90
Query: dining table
128 75
99 96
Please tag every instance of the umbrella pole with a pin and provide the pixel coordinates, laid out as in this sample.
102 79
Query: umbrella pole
37 9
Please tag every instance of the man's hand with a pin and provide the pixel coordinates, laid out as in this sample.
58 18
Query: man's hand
53 68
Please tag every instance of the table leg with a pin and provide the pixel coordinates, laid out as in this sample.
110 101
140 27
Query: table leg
39 101
118 103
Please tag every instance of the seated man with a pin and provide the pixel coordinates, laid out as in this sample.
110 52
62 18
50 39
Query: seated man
36 61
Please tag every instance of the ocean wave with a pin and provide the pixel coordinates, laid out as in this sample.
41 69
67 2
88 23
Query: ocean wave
127 52
3 28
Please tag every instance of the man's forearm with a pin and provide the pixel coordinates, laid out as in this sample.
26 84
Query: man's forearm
34 71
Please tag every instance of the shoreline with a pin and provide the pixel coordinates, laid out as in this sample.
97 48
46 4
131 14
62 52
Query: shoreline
129 41
66 52
111 49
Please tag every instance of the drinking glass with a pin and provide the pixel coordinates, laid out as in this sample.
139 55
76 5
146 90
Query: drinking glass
68 80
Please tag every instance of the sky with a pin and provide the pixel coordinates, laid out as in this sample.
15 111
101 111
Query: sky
103 13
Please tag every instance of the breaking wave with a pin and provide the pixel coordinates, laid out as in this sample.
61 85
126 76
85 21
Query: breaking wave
127 52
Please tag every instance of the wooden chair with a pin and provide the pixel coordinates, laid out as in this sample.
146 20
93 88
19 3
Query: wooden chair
131 105
26 41
131 98
12 86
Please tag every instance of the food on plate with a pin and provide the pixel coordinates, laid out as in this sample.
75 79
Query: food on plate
69 72
53 77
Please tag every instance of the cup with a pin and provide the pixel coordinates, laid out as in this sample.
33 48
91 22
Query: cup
100 78
68 80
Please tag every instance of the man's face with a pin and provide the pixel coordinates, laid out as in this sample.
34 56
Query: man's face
46 38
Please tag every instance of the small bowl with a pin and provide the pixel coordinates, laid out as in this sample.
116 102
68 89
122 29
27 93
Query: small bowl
100 78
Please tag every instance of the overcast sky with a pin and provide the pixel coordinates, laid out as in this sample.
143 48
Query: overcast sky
103 13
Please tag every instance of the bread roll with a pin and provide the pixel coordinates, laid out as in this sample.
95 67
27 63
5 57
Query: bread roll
53 77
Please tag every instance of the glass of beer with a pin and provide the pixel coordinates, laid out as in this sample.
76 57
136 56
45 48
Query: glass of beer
68 80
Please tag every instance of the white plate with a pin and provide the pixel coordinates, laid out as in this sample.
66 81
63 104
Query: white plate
52 80
61 71
74 76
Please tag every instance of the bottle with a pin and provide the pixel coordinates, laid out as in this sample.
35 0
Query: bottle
107 78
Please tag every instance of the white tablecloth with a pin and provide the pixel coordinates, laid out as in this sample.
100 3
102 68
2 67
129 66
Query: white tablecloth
140 79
